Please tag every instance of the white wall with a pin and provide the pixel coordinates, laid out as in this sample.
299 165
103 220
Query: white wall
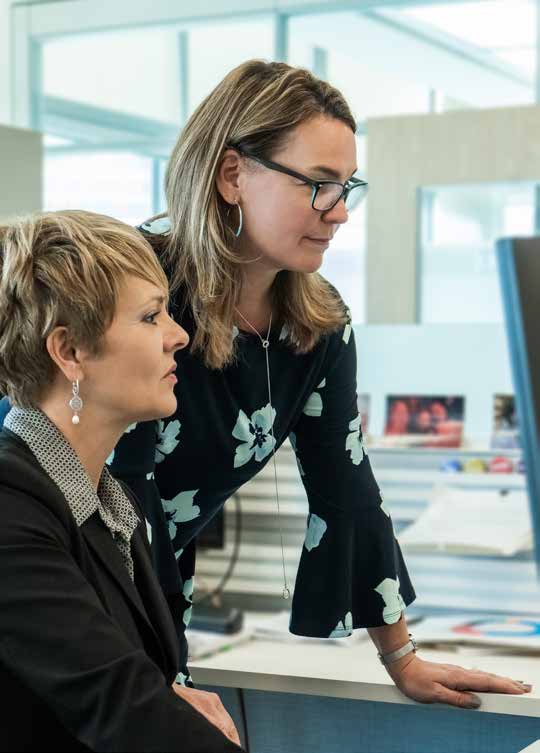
5 114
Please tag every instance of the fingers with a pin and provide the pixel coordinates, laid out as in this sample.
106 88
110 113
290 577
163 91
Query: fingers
486 682
211 707
457 698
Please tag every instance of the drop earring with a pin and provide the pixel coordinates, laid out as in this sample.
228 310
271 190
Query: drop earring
76 403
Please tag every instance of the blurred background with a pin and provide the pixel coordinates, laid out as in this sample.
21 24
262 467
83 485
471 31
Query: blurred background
446 95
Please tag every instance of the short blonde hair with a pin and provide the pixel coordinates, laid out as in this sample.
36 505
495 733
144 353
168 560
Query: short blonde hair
256 107
61 269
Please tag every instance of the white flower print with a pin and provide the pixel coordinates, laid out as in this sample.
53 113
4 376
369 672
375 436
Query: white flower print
110 458
131 427
167 439
178 554
161 226
344 628
284 334
150 476
315 531
181 509
354 443
255 435
314 405
188 596
347 329
235 332
292 440
394 604
181 679
149 531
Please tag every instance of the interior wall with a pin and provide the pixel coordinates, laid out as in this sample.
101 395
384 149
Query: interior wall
407 152
21 157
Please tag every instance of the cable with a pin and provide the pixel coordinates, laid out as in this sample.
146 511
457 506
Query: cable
218 590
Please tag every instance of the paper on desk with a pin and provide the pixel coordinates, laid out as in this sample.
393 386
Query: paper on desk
203 643
461 521
521 633
276 628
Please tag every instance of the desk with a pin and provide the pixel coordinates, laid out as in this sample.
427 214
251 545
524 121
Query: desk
327 699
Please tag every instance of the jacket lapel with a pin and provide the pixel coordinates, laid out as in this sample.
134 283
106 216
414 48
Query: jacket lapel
101 543
156 604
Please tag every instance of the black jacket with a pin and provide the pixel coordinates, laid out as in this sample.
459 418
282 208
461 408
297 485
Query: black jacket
87 656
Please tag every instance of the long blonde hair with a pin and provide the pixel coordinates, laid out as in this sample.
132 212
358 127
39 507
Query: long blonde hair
254 107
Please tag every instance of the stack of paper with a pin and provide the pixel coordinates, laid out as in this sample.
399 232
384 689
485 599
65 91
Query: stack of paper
461 521
518 633
276 628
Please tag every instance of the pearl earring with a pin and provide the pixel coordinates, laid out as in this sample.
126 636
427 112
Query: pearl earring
76 404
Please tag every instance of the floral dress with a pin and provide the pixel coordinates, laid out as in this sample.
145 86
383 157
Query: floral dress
184 468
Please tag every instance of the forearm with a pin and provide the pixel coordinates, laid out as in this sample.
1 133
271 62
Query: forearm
389 638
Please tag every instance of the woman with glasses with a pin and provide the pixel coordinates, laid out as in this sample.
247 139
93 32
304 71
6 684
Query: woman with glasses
259 182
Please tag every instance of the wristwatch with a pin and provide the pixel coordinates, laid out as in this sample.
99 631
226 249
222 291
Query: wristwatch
399 653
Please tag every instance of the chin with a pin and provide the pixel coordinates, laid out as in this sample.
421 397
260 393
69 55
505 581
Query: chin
310 266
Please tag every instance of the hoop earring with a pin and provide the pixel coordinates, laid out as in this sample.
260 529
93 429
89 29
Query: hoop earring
241 220
76 403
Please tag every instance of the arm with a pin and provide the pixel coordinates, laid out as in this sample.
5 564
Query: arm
102 688
350 541
352 573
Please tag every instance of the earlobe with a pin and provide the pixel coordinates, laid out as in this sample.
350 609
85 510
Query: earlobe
64 354
228 174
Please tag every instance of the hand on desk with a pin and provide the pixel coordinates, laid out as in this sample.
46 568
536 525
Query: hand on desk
430 682
210 706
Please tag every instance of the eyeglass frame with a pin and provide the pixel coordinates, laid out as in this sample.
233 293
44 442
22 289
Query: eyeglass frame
315 184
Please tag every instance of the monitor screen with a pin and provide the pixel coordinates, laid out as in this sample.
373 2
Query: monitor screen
212 535
519 270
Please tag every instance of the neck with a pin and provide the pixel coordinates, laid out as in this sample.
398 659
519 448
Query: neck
255 297
93 439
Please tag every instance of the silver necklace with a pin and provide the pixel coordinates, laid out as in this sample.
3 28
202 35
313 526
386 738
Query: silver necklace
265 342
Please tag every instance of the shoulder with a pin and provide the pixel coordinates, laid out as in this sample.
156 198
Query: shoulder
342 334
27 494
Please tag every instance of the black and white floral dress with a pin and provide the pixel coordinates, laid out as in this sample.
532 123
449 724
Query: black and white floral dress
184 468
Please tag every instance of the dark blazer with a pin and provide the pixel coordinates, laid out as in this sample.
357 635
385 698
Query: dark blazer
87 656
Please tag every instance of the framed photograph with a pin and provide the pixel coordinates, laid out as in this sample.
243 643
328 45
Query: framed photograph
505 434
424 421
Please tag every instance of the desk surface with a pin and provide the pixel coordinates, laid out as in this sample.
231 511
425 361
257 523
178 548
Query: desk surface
355 672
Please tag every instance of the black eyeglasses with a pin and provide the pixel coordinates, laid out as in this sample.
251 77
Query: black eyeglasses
325 193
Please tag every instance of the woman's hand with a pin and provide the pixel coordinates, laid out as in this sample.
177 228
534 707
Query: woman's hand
430 682
210 706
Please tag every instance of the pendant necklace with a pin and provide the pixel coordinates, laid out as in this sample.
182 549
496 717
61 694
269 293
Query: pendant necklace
265 342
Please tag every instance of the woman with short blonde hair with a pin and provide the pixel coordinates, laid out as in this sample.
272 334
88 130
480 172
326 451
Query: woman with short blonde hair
88 644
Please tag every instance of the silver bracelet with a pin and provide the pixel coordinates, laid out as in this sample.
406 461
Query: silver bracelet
393 656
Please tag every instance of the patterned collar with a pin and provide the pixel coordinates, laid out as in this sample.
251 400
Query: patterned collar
61 463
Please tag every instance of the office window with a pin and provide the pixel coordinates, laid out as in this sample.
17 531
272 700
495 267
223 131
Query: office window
118 184
458 228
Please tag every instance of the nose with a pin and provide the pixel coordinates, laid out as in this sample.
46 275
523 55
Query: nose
176 337
338 215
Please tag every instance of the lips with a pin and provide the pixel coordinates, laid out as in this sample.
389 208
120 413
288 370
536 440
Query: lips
171 371
319 240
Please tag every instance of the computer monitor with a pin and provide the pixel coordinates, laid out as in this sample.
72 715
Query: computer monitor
212 535
519 271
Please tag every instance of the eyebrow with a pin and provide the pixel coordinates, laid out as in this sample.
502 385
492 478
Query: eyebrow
155 299
330 172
